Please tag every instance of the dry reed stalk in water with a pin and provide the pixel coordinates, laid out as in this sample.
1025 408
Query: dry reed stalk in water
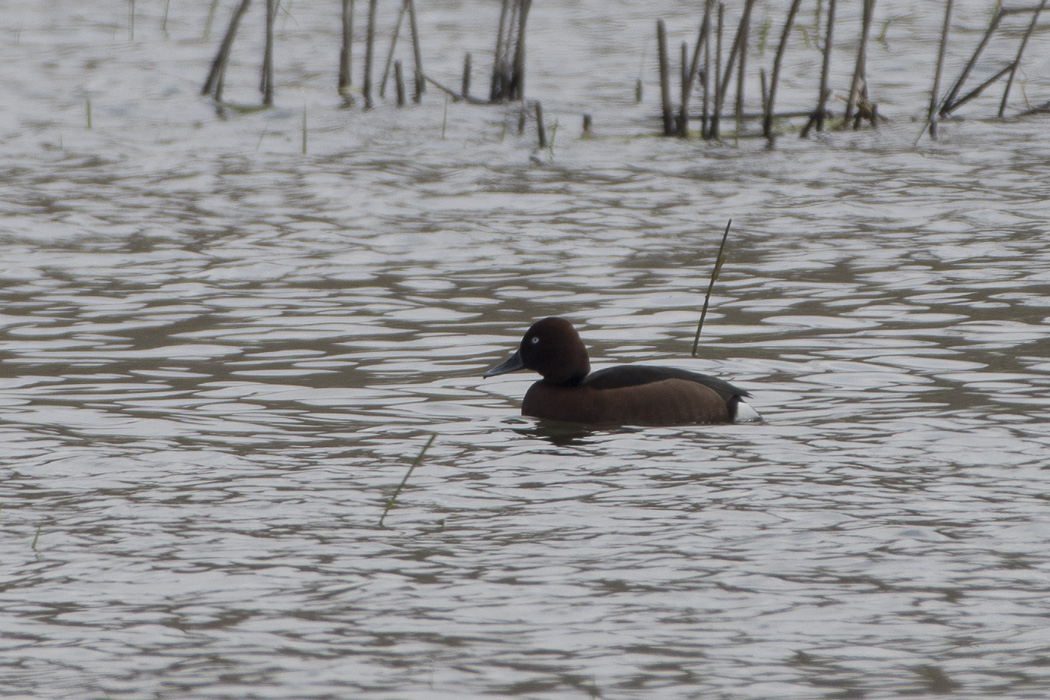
719 261
665 78
931 117
420 85
858 87
1017 61
345 54
214 83
767 121
266 82
415 463
370 40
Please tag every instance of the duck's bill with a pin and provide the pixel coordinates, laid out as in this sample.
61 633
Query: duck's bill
511 365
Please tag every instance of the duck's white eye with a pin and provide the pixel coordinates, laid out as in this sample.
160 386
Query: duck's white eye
535 340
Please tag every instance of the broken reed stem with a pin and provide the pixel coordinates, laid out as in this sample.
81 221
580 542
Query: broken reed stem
1017 61
345 53
304 130
825 68
719 261
767 121
745 29
399 82
214 83
739 39
705 31
266 82
931 118
682 128
716 107
665 78
690 77
950 103
415 463
858 84
541 132
370 41
393 45
417 54
979 89
465 89
517 81
498 68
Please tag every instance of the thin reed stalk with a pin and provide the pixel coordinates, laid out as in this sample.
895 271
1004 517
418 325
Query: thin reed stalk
370 41
213 84
716 107
959 102
690 76
1017 61
950 103
745 29
825 68
719 261
858 87
541 131
465 89
767 122
393 45
705 31
931 118
496 89
739 39
345 52
419 83
415 463
399 82
266 82
665 78
682 127
517 81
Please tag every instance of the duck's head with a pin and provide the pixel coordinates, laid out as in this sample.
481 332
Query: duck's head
553 348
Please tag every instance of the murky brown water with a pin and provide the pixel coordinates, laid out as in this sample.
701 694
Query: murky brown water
219 356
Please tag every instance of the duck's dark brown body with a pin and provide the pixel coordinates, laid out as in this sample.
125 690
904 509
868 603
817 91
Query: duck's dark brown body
630 395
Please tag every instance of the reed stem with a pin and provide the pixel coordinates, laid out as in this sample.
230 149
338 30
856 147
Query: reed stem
767 122
370 41
931 117
719 261
415 463
345 52
665 78
1017 61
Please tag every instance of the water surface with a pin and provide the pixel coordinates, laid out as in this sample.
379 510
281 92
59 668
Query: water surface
218 357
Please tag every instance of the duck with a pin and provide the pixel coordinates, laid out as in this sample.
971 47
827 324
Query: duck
642 395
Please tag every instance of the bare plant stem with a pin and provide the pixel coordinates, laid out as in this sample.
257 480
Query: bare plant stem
719 261
415 463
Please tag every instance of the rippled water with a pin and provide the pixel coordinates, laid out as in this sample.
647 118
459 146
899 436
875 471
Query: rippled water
219 356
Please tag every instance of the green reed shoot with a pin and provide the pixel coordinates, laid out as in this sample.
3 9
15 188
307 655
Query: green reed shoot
36 538
719 261
415 463
304 130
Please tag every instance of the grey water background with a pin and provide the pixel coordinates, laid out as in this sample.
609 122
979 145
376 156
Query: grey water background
219 355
